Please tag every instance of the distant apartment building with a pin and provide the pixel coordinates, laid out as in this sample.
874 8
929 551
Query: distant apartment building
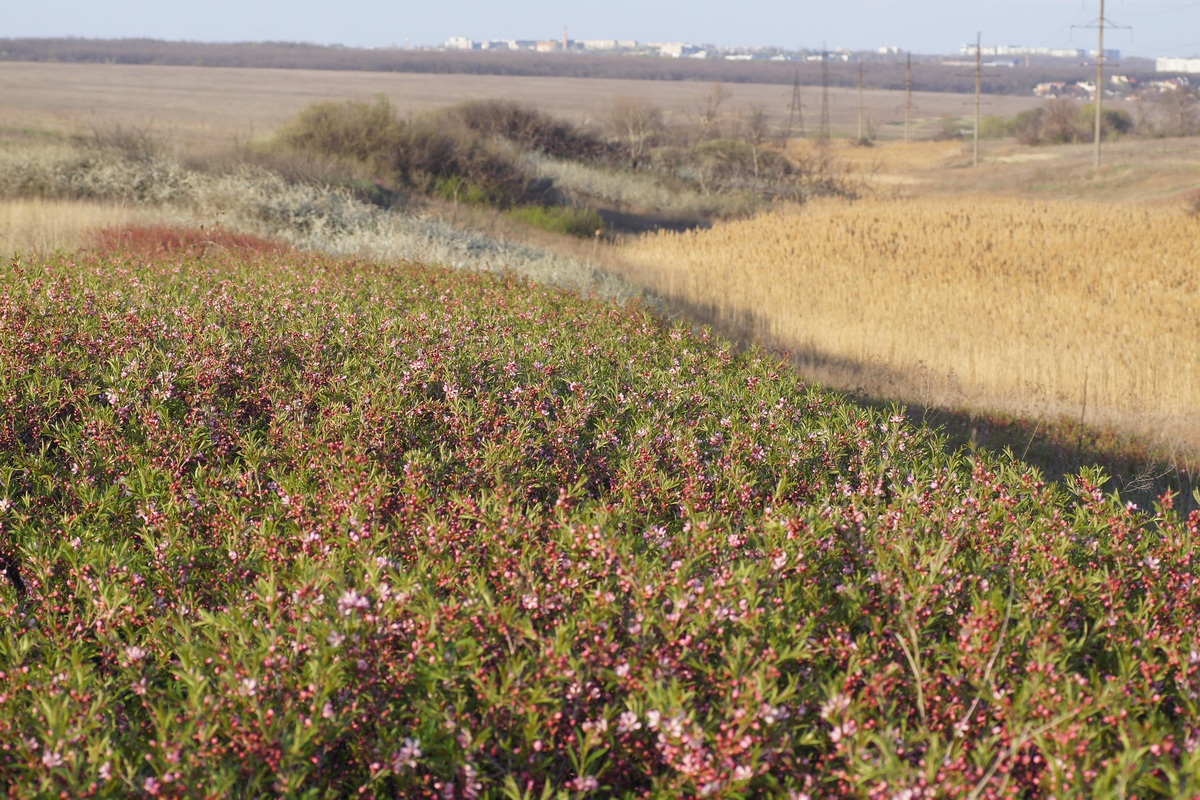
1188 65
676 49
828 55
460 43
1051 52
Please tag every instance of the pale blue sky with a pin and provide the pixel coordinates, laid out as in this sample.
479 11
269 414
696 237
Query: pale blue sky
1159 27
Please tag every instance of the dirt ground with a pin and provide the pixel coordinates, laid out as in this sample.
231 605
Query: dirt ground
197 105
1132 171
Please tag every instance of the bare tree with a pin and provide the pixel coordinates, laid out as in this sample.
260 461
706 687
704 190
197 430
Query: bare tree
709 110
1171 113
638 123
757 126
1061 122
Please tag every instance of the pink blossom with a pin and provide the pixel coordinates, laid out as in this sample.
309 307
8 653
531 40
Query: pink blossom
352 601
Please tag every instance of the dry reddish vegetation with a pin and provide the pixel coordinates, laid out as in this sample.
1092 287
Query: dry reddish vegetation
165 240
292 525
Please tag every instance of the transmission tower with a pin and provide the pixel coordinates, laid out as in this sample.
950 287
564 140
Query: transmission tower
796 115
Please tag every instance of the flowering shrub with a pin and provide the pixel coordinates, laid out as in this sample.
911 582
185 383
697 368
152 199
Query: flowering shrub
286 524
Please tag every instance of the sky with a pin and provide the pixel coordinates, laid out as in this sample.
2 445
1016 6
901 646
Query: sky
1156 27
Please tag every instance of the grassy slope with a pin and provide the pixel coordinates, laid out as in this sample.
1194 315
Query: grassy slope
285 522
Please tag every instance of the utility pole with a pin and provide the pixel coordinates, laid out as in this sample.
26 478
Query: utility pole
975 160
824 133
1100 25
1099 85
860 103
978 87
907 95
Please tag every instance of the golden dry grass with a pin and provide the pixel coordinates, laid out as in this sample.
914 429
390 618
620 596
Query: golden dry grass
893 157
1136 172
46 226
1045 309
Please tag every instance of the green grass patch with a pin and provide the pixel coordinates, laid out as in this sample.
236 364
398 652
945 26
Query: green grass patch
581 222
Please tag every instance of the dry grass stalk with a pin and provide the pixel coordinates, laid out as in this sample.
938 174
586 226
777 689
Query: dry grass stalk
46 226
1056 309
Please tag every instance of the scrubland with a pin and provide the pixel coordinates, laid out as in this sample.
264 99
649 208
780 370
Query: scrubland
118 181
277 523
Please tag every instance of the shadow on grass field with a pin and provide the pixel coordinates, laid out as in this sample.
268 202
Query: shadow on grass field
1058 447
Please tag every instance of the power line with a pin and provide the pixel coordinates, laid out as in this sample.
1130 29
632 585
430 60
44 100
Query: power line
823 135
978 90
1156 9
907 95
861 109
1099 25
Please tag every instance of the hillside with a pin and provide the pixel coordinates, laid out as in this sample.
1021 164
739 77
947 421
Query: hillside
278 523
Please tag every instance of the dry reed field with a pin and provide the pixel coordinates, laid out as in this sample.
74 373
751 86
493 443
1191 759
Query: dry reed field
46 226
991 303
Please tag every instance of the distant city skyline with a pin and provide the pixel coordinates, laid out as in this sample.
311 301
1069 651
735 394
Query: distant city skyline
1157 27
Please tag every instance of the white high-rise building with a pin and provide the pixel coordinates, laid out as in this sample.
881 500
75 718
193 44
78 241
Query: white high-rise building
1189 65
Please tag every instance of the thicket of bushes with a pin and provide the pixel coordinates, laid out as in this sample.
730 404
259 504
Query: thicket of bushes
1059 121
425 154
1065 121
489 152
530 129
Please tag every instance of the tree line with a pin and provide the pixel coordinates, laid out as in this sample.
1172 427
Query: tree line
929 73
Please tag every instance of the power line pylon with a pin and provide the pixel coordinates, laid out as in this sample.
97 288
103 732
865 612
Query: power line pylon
796 115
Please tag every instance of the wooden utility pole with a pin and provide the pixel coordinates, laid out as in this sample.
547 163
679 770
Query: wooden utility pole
1100 26
824 129
978 88
907 95
1099 85
861 138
